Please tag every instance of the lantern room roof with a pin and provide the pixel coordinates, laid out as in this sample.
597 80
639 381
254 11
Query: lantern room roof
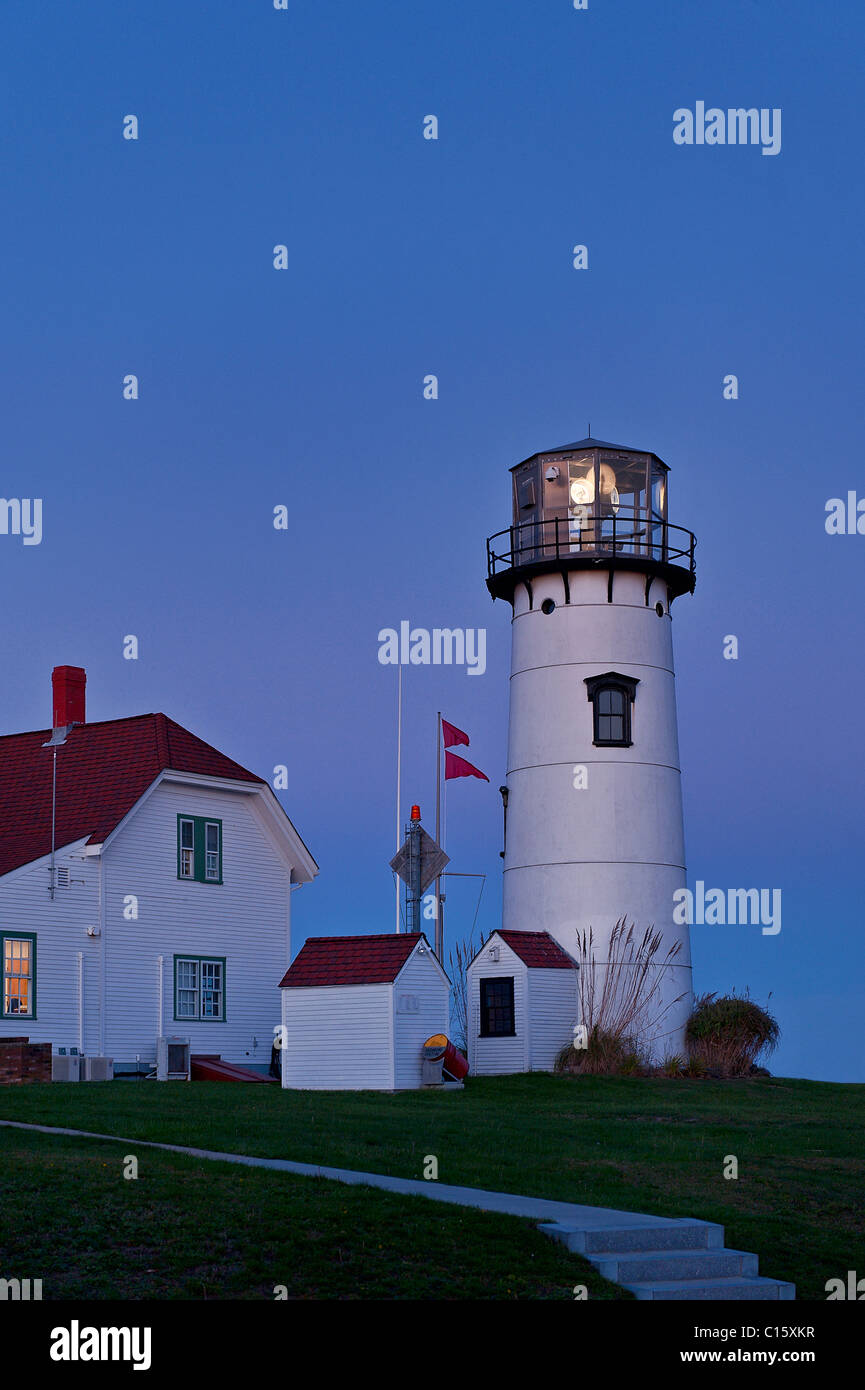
590 443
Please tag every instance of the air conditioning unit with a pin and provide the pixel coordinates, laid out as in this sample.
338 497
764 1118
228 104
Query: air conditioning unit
172 1059
98 1069
65 1068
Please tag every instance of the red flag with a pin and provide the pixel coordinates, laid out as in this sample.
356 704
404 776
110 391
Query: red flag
458 767
452 735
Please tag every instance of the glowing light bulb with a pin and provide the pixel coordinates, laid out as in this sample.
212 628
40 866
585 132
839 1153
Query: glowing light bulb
583 490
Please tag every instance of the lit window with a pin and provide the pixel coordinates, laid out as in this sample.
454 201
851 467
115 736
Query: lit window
19 976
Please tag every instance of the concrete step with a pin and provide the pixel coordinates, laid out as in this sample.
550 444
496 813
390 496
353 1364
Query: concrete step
750 1290
645 1267
667 1259
684 1234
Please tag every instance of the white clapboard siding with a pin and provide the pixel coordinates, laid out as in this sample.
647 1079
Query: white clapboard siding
245 919
553 1011
420 1000
498 1056
338 1038
67 959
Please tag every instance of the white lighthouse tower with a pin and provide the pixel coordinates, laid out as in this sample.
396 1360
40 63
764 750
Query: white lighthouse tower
593 803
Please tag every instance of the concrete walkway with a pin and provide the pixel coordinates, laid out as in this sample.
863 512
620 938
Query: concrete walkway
656 1257
537 1208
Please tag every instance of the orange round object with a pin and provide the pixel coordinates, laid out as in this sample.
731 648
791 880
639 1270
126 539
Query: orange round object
453 1061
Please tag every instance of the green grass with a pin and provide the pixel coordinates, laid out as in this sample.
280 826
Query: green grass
189 1230
642 1144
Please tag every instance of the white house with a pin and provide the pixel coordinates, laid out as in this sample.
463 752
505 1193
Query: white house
147 892
357 1010
523 1003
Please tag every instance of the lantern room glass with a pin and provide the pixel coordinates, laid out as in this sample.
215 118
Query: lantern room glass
623 504
658 513
596 499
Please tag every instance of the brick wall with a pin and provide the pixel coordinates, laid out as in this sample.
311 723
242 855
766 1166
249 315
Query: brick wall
22 1060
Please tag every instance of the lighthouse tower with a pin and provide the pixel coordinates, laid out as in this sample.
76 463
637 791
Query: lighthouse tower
593 802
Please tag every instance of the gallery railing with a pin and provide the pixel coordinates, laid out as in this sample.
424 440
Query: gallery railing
591 535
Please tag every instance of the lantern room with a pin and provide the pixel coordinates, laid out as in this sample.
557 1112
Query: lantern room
589 486
592 503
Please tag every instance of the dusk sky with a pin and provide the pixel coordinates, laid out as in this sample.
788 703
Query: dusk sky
303 387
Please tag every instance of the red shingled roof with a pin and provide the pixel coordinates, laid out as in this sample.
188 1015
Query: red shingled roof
351 960
538 950
102 770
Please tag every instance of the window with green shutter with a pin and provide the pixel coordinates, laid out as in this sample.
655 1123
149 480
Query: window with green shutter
199 849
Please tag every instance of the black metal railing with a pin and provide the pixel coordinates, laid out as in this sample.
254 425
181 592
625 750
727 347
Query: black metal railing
593 535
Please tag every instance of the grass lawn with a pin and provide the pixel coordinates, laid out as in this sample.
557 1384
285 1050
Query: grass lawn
643 1144
190 1230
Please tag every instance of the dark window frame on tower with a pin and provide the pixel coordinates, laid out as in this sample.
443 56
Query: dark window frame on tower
611 725
498 1018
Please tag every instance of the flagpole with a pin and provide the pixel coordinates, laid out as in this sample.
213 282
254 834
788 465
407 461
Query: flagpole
439 942
398 779
444 807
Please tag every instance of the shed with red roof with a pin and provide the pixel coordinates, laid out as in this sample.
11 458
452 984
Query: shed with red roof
523 1003
357 1010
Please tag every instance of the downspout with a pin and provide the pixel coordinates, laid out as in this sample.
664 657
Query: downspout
53 818
102 955
81 1003
160 962
503 792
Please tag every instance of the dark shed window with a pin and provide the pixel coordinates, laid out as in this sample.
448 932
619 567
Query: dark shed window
497 1007
611 696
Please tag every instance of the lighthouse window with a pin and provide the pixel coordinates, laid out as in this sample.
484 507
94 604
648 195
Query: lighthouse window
612 696
497 1007
610 711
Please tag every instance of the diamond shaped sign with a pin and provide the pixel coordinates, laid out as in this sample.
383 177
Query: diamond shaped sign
432 860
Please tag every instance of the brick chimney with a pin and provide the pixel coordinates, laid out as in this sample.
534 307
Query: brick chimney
67 683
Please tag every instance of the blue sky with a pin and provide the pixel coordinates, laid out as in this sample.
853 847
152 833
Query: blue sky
304 388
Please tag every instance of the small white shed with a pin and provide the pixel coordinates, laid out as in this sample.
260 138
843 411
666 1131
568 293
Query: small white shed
523 1003
357 1010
